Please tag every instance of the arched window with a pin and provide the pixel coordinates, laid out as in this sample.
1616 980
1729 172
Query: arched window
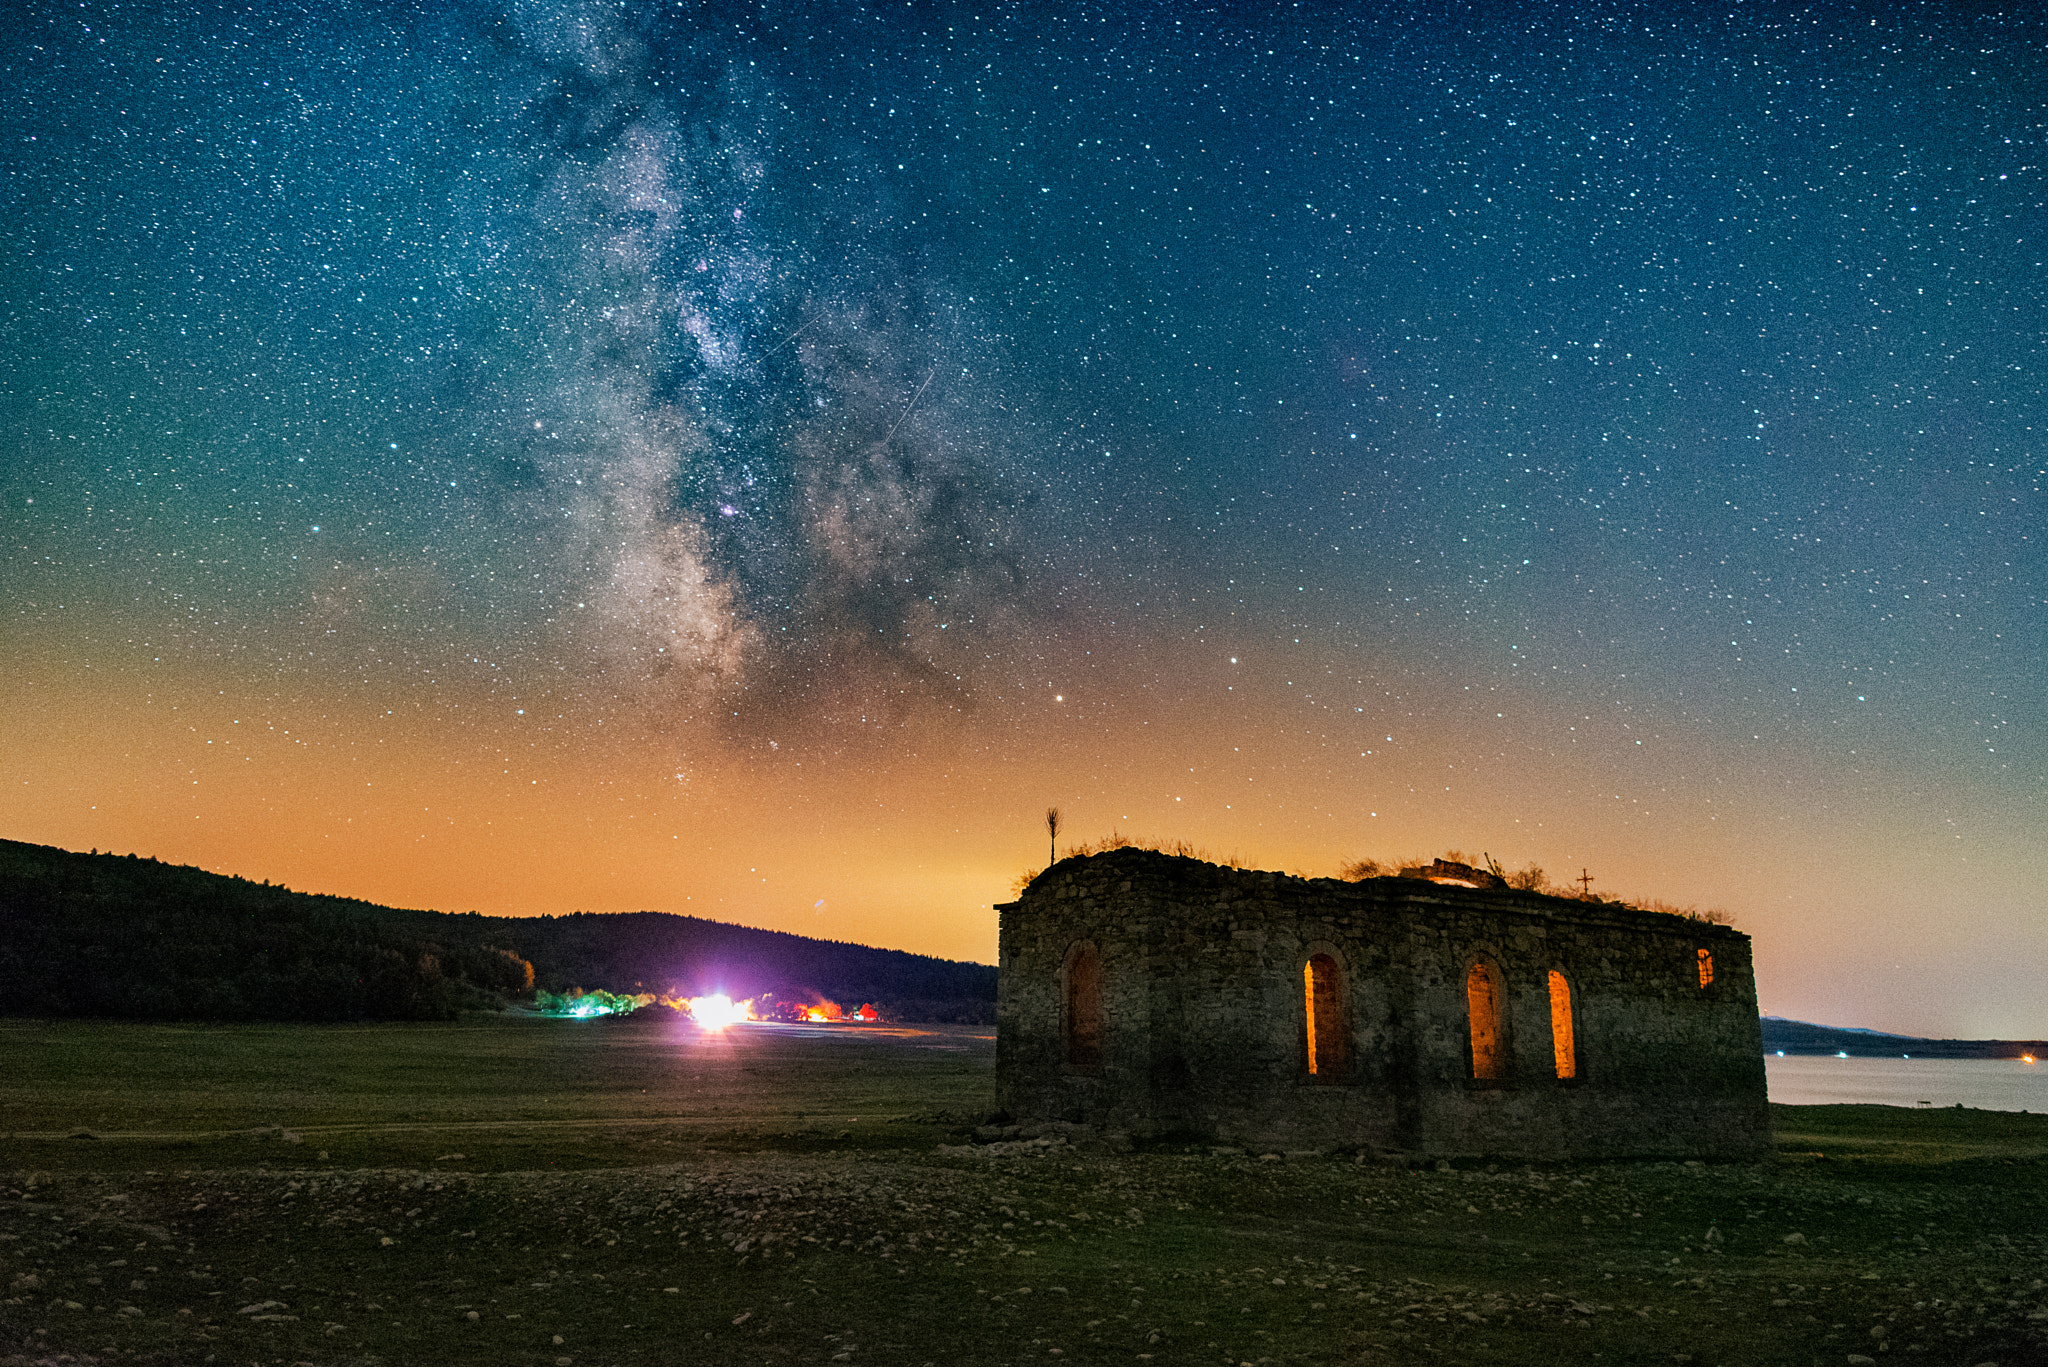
1081 1014
1484 1006
1706 967
1561 1042
1329 1034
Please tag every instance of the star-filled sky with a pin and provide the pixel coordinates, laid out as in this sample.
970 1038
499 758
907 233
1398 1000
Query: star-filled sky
751 461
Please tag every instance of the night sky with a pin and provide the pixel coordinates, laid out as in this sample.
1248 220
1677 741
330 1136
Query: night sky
751 462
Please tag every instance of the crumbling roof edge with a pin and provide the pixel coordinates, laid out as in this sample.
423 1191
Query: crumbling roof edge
1423 891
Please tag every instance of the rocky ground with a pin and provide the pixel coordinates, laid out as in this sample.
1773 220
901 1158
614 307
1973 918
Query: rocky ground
908 1238
1024 1255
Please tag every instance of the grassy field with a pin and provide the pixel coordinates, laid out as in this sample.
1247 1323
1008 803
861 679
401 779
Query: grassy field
575 1194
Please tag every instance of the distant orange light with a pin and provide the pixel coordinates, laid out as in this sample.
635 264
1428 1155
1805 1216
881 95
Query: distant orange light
2026 1058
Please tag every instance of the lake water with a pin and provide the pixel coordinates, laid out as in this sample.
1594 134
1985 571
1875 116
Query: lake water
1980 1083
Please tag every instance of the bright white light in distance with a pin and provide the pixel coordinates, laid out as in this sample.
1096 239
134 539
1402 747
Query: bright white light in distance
717 1011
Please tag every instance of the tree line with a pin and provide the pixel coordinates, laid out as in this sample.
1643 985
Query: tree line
134 938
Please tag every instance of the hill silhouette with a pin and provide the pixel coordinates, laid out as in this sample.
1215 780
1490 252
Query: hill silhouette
133 938
1803 1037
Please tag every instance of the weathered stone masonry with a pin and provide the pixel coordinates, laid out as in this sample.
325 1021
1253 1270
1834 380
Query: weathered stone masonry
1159 995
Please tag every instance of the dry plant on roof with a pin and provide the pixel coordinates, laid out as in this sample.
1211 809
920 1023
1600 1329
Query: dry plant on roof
1529 878
1712 915
1117 840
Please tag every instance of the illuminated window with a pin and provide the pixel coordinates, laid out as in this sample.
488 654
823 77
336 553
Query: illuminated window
1081 1021
1706 968
1561 1026
1483 1006
1322 987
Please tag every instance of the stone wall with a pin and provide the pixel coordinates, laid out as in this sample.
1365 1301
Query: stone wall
1204 1020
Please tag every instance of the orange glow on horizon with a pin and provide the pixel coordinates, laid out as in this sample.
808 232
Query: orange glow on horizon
843 834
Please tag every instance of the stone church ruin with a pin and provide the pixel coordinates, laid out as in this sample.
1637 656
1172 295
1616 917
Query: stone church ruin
1156 995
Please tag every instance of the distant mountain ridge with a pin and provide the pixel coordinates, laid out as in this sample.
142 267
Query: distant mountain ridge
134 938
1801 1037
128 937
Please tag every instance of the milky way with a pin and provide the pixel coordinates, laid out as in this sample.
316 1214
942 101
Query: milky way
748 461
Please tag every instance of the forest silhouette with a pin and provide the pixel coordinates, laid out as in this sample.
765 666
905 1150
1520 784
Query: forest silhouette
126 937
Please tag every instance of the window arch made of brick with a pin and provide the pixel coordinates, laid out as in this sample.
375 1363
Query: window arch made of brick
1564 1043
1486 1018
1326 1017
1081 1007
